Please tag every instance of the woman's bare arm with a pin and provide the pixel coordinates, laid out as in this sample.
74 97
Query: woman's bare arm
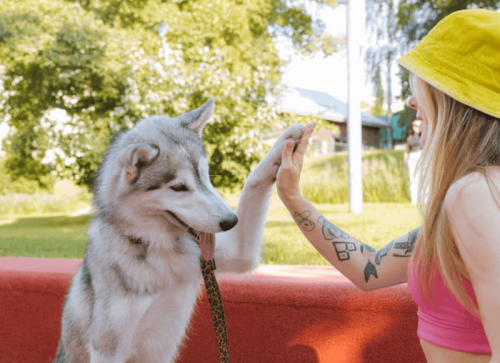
366 267
363 265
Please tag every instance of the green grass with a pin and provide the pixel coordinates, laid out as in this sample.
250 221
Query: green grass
60 236
56 236
387 212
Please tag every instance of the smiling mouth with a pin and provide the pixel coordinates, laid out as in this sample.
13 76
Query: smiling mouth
206 241
191 231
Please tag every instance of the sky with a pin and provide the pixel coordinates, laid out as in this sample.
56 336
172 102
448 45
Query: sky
327 74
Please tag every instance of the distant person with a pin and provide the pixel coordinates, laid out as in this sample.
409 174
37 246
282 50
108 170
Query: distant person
412 156
451 261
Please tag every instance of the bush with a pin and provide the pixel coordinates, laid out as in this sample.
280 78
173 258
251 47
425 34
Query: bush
23 185
40 203
325 180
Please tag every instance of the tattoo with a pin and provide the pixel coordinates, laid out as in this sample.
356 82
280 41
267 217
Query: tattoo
364 247
343 249
370 270
383 252
407 246
330 231
303 221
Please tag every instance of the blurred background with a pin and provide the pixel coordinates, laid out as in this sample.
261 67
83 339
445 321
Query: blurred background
73 73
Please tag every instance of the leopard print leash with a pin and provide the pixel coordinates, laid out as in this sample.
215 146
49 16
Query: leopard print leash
216 308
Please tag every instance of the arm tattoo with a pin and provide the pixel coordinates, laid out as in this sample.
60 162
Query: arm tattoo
407 246
303 221
343 248
370 270
364 247
330 231
383 252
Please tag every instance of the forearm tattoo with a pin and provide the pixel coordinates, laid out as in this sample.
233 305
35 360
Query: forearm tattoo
344 244
343 248
364 247
330 231
408 245
383 252
303 221
370 270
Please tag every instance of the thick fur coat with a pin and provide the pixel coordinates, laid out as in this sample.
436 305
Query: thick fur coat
132 297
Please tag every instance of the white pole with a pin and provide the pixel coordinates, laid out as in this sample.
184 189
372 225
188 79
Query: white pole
355 71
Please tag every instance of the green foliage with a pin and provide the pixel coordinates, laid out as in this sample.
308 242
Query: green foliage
378 109
105 64
25 196
414 26
407 116
22 185
41 203
326 179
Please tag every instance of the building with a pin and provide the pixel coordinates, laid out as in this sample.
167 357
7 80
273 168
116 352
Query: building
321 105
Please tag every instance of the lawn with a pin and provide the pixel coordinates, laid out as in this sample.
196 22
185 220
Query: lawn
63 236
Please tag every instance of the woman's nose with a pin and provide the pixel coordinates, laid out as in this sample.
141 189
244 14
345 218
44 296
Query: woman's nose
411 102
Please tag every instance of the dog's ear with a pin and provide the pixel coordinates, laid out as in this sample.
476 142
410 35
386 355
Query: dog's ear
136 157
197 119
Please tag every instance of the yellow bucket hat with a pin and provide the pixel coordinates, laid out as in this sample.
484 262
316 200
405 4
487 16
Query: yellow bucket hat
461 57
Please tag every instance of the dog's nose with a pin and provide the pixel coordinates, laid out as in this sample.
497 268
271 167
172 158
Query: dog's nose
228 223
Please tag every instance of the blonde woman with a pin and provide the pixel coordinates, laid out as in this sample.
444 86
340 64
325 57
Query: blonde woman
451 262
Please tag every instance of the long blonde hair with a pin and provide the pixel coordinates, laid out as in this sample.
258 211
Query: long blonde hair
459 140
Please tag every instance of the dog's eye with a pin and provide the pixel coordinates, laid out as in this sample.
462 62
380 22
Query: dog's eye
179 188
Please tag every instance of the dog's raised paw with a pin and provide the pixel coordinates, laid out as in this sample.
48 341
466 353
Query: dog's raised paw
294 133
265 173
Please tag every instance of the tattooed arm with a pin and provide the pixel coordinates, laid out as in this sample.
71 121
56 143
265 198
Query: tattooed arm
362 264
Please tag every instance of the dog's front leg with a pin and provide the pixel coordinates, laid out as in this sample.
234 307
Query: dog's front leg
238 250
114 324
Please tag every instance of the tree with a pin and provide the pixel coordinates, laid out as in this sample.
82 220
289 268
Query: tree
381 18
102 65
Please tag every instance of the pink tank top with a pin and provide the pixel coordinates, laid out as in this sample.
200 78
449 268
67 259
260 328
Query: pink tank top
447 323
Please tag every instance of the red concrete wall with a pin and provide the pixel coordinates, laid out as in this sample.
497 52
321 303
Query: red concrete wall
277 314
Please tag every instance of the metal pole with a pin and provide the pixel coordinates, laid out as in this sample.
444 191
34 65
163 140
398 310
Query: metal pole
355 32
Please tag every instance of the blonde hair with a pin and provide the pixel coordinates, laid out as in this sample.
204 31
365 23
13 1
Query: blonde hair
459 140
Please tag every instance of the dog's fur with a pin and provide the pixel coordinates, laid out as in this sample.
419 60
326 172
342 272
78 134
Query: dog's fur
133 295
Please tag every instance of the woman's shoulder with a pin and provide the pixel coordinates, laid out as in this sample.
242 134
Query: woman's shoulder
473 191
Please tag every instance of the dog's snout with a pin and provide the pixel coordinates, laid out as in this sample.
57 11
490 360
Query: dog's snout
228 223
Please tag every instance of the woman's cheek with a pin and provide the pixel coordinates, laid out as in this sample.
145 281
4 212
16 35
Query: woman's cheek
423 136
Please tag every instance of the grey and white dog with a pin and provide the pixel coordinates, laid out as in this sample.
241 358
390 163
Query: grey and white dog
133 295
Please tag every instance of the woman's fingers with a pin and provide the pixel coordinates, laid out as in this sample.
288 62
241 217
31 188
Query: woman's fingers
286 154
301 148
289 157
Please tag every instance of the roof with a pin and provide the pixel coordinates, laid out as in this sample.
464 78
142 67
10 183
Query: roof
300 101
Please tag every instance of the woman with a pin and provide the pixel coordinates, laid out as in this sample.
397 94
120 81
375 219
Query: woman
412 156
451 261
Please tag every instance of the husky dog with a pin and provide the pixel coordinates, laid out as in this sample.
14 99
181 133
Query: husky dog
132 297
